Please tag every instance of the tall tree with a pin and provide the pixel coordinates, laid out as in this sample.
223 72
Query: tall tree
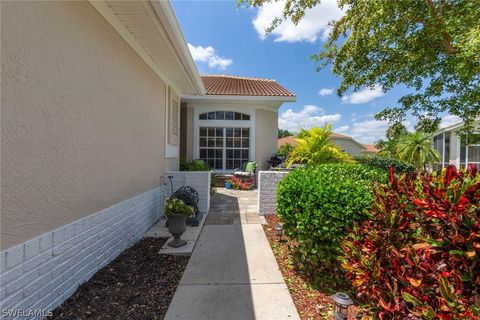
284 133
430 46
416 148
388 148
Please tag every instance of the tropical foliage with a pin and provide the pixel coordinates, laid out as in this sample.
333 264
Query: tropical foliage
432 47
416 148
285 149
388 147
317 204
314 147
384 163
418 256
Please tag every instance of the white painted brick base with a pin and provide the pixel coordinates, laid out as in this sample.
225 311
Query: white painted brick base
267 190
198 180
43 272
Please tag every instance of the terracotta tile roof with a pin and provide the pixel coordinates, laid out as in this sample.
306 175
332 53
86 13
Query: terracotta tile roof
370 148
243 86
339 136
290 140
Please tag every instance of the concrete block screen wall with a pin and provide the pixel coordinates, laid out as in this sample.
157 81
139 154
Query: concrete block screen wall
198 180
267 190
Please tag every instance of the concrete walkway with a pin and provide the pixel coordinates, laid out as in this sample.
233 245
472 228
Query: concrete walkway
232 273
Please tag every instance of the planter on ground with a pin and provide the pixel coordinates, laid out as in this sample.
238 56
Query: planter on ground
177 212
177 227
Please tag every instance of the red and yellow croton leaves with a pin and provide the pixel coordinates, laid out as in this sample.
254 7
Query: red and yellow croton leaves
418 256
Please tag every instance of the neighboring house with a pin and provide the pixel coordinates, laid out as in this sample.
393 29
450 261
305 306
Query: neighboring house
369 148
453 150
234 122
91 123
346 143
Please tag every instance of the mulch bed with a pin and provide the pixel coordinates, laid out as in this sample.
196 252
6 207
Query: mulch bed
138 284
311 303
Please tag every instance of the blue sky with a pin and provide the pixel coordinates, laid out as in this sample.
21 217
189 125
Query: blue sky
225 39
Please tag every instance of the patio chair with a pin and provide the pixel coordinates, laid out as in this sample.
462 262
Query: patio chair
247 170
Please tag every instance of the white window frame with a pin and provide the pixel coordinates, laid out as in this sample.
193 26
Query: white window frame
250 110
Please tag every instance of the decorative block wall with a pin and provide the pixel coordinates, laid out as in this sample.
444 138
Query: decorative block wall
267 190
41 273
198 180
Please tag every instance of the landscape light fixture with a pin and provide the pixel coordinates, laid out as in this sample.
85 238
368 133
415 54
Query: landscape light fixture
279 229
342 301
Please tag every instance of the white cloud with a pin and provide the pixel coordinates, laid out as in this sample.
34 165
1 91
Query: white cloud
208 54
364 95
341 129
314 24
325 92
309 116
450 119
368 131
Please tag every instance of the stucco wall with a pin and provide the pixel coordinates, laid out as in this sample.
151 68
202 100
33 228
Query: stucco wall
82 118
266 136
349 146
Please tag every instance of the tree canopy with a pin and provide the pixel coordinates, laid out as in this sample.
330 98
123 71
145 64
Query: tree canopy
284 133
416 148
430 46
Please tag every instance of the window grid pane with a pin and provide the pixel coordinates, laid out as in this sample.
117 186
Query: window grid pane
215 141
223 115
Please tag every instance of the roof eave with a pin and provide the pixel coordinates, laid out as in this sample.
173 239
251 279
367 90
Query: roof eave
193 98
185 77
179 42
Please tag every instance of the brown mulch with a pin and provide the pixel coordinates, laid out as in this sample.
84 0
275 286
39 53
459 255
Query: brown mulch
311 303
138 284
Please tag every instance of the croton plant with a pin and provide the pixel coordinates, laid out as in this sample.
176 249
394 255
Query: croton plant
418 255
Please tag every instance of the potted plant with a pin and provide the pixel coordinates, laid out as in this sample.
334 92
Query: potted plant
228 183
177 212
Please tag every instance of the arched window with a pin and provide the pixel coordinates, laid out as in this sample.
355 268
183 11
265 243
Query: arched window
224 115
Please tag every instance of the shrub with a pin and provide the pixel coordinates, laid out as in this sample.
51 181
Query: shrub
419 254
316 204
385 163
194 165
285 149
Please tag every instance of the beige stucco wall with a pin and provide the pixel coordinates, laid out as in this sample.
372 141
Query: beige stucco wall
82 122
349 146
266 136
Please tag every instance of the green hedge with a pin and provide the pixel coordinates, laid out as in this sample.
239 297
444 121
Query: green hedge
385 163
317 204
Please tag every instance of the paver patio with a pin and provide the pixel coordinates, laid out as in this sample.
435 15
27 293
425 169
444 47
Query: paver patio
232 273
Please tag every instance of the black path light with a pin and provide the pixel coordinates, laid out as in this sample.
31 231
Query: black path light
342 301
278 229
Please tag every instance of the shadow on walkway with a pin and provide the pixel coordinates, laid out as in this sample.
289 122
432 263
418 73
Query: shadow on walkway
232 273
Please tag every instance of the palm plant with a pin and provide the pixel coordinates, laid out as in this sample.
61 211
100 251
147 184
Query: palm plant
416 148
314 147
